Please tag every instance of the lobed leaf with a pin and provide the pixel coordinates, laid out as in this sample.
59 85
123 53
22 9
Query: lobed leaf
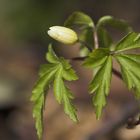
100 85
69 75
56 71
42 84
64 96
130 41
69 108
38 94
37 114
97 57
62 93
130 68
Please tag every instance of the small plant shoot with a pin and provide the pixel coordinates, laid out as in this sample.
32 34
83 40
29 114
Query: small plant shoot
97 51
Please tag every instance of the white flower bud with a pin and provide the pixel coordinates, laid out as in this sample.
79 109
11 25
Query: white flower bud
63 34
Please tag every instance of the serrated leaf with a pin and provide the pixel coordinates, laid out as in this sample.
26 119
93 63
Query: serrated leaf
100 85
99 101
80 19
69 75
97 57
46 69
56 71
133 57
37 114
130 68
38 94
116 23
65 63
62 93
69 108
42 84
130 41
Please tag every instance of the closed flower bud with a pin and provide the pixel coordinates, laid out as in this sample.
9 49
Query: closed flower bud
63 34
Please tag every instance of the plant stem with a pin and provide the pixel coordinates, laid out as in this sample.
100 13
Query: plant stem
117 73
78 58
95 36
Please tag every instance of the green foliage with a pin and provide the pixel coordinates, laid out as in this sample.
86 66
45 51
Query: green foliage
116 23
130 41
100 84
79 19
56 71
37 114
100 60
86 41
105 40
46 74
130 68
86 25
97 57
129 63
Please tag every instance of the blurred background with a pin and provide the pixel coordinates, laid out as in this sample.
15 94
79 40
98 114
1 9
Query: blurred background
23 44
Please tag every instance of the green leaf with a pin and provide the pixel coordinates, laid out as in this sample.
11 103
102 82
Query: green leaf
86 40
100 85
58 89
64 96
134 57
56 71
101 61
65 63
97 57
86 36
69 108
130 41
43 82
38 94
37 114
46 69
62 93
83 51
130 68
80 19
69 75
116 23
51 56
104 38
